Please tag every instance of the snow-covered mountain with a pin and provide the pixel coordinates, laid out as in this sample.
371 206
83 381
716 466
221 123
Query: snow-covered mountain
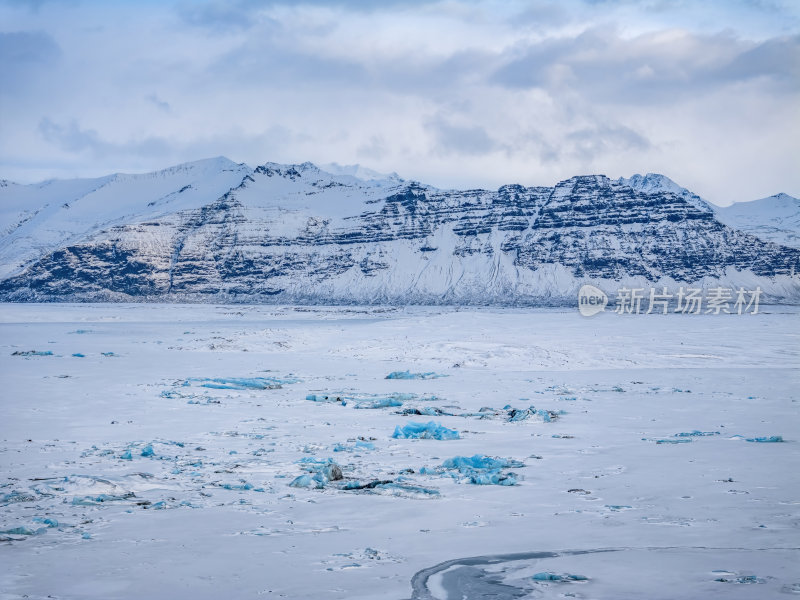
776 218
218 231
37 219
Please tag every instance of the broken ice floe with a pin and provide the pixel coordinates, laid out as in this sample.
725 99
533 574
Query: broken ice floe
354 447
696 433
326 473
561 578
389 487
367 401
240 383
356 560
410 375
320 471
731 577
32 353
770 439
478 469
507 413
429 430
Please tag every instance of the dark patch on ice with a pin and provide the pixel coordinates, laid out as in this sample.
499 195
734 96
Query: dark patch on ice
469 582
466 581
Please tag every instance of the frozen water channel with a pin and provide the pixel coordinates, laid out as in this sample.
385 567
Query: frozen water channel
168 451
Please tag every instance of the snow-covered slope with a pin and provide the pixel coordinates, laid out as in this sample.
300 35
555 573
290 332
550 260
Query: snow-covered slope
298 233
37 219
654 183
776 218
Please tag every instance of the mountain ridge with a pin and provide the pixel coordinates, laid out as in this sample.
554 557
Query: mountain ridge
216 230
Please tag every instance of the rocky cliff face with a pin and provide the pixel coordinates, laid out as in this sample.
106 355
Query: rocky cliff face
295 233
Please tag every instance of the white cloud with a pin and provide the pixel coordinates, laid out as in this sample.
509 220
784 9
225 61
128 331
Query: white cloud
454 92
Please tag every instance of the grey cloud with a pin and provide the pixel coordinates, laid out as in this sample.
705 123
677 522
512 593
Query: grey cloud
244 14
459 139
159 103
219 15
75 140
71 138
778 58
22 48
603 66
542 14
23 56
588 143
375 149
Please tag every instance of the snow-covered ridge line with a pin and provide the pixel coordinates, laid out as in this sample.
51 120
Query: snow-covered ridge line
215 230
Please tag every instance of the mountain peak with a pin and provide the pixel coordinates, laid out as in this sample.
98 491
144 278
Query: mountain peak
359 172
653 183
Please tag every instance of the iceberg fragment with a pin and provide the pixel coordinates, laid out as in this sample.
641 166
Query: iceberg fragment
242 383
479 469
563 578
379 403
430 430
410 375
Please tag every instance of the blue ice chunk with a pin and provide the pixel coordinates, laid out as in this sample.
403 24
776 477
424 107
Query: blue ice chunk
23 531
479 461
100 499
430 430
696 433
493 478
108 354
745 579
618 507
304 481
412 489
242 383
86 536
379 403
358 445
678 441
32 353
46 521
79 355
324 398
521 414
410 375
566 577
148 451
772 439
482 470
246 486
324 470
126 455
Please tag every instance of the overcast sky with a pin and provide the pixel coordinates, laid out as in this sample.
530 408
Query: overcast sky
454 93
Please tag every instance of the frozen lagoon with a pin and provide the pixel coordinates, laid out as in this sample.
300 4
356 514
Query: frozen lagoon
128 470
